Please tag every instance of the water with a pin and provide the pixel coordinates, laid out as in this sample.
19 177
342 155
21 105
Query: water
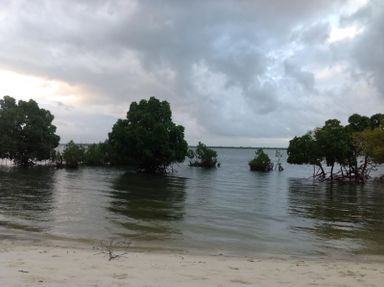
228 210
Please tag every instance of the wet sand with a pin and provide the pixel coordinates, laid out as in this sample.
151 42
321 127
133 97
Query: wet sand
25 264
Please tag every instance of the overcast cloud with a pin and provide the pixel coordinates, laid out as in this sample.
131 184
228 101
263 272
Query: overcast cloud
235 72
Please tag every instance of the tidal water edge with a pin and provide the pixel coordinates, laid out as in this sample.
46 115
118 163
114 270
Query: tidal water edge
227 210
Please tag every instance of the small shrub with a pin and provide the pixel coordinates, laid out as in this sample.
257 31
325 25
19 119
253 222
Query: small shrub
203 156
73 155
261 162
96 154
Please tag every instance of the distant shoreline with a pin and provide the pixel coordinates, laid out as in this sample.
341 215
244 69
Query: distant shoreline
213 146
244 147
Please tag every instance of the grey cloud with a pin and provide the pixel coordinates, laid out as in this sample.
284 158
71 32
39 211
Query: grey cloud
62 105
317 33
121 51
304 78
368 48
364 54
82 127
362 15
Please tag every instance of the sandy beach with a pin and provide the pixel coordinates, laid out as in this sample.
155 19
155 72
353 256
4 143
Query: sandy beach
38 265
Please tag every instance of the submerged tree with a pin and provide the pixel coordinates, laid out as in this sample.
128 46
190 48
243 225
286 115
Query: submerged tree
261 162
353 149
279 156
333 143
304 150
148 137
27 132
73 155
203 156
97 154
118 143
371 142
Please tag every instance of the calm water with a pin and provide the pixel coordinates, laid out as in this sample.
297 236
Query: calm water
228 210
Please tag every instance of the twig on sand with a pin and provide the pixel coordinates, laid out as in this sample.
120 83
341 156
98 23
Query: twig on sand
109 250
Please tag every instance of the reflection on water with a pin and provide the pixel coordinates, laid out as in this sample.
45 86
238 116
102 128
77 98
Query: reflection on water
147 204
25 197
340 214
226 210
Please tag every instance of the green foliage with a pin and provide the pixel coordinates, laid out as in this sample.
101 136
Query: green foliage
73 155
303 150
203 156
148 137
366 142
333 142
377 121
342 145
97 154
118 143
261 162
10 126
371 142
358 123
27 133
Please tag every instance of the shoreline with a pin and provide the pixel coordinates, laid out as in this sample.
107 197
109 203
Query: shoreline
63 264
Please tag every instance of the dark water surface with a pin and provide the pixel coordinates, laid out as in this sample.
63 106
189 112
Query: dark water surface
227 210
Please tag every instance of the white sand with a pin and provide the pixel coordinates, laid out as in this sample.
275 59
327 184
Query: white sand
22 265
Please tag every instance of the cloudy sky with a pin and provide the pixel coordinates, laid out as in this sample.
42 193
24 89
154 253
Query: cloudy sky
235 72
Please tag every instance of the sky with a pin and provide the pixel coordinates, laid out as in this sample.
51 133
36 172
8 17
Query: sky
236 73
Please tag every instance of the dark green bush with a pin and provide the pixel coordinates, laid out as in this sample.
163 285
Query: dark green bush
73 155
97 154
27 134
261 162
148 137
203 156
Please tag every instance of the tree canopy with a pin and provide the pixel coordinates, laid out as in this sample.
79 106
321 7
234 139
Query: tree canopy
148 137
333 143
354 148
371 143
73 154
303 150
27 132
97 154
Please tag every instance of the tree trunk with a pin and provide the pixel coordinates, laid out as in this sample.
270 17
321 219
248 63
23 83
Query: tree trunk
322 170
364 169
